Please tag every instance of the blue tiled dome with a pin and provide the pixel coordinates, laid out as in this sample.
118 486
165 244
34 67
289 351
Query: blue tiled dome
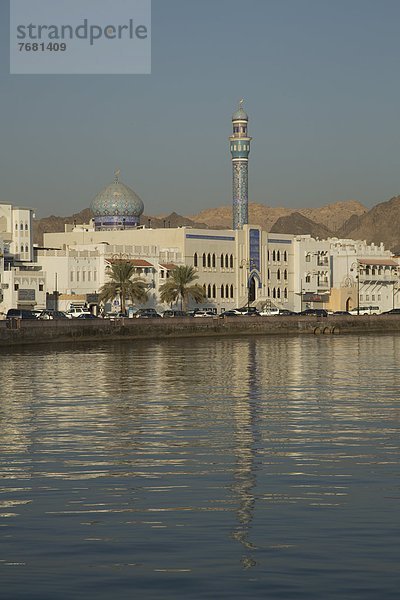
117 200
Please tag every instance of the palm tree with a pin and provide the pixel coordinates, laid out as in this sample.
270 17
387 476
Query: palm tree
178 286
120 273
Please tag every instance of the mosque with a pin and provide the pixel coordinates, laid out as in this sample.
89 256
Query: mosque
238 266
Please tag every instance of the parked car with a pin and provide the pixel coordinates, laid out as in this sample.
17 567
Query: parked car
228 313
314 312
393 311
87 316
50 315
147 313
114 315
76 311
204 313
269 312
365 310
285 312
170 314
16 313
341 312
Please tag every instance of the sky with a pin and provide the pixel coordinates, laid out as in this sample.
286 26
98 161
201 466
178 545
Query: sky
320 80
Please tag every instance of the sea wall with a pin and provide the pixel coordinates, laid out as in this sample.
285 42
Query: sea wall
23 332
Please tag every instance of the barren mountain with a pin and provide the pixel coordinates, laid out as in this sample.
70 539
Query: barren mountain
298 224
332 216
380 224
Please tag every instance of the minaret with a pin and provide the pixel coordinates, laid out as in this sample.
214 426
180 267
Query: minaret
240 150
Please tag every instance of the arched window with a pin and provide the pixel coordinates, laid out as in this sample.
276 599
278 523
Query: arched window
227 291
16 226
204 289
231 261
214 291
226 261
274 255
26 248
209 261
278 293
204 259
209 291
285 274
308 278
274 293
267 254
278 274
231 291
285 256
22 247
21 226
285 293
213 261
269 274
26 226
222 291
195 259
269 293
222 261
278 256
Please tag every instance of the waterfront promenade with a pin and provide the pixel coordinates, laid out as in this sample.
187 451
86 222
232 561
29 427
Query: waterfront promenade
36 332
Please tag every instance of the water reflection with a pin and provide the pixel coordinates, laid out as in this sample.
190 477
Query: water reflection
240 448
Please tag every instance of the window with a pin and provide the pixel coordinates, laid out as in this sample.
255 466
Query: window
231 291
285 256
274 255
285 293
222 261
41 287
213 261
214 291
278 293
278 256
285 275
71 276
278 274
269 293
77 276
269 274
227 291
308 278
83 275
226 261
373 297
21 226
231 261
22 248
222 291
308 257
274 293
267 254
195 259
379 297
162 274
26 248
89 275
209 291
16 226
204 259
16 287
209 261
367 297
26 226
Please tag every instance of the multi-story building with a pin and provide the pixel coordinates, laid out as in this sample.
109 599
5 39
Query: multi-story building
22 282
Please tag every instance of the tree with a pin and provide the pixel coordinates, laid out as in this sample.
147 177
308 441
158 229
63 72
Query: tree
178 287
121 284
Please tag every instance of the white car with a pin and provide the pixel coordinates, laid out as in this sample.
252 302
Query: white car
269 312
75 311
204 313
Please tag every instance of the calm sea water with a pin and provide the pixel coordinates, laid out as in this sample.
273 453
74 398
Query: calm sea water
260 468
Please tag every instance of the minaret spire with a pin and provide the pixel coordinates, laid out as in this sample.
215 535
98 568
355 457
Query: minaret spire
240 150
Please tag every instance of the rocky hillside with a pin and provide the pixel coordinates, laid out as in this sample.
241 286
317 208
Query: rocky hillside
298 224
380 224
333 216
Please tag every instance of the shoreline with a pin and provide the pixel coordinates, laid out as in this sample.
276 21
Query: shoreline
21 333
